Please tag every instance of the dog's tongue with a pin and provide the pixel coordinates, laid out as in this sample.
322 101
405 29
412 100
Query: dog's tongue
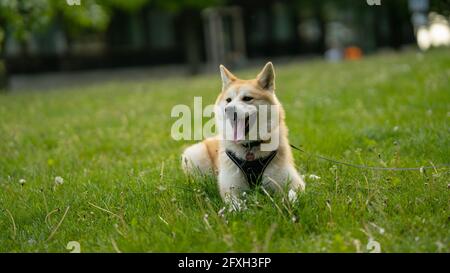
239 130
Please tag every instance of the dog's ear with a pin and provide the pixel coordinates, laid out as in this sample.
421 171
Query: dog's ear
266 78
227 77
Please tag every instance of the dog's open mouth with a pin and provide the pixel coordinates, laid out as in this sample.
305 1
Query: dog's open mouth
240 127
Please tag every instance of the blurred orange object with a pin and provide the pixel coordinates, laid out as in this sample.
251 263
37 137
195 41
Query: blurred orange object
353 53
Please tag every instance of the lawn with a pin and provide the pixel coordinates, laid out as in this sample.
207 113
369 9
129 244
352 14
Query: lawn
123 189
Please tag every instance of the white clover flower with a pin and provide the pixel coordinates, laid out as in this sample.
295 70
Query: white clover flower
59 180
221 212
334 167
395 129
22 181
314 177
292 196
440 246
205 218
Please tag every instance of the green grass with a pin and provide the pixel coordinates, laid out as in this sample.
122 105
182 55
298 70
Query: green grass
111 143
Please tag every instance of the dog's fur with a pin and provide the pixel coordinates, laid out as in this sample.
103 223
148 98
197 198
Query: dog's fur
210 156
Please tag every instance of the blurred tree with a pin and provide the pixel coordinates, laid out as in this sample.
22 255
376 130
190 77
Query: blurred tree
188 11
189 14
440 6
319 9
388 20
21 18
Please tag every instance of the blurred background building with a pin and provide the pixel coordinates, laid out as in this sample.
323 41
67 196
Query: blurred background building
66 35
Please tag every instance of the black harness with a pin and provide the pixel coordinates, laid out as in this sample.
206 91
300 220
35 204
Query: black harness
252 169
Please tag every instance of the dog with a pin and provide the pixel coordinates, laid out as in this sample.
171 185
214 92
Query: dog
239 162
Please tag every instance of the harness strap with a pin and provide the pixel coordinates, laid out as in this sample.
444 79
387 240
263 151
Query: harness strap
251 144
254 169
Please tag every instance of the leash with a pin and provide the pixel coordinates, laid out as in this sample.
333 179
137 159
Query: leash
376 168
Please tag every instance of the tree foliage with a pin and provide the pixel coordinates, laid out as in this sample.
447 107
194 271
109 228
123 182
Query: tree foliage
22 17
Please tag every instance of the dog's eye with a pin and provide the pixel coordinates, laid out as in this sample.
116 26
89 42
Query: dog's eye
247 98
229 99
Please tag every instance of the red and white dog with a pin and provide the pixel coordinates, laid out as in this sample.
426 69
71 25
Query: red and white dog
239 160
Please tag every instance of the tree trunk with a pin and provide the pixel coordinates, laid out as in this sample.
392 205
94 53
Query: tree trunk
318 10
191 41
395 26
4 77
